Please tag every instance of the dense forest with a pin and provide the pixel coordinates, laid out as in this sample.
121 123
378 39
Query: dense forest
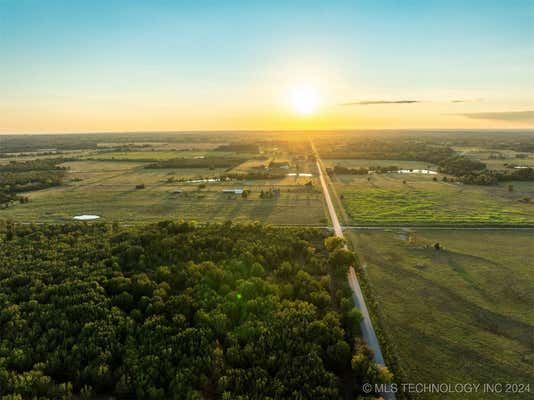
178 311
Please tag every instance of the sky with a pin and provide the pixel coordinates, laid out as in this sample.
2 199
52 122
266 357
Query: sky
95 66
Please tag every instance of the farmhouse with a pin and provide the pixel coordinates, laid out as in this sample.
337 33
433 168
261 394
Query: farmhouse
233 191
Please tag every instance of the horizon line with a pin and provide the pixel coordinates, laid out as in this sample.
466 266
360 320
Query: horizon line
226 131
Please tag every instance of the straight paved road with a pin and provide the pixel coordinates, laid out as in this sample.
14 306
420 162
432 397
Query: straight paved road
366 326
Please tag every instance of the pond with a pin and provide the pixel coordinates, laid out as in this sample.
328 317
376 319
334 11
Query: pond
299 174
417 171
86 217
206 180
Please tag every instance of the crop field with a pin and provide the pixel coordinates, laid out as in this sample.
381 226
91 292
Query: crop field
414 199
108 189
460 314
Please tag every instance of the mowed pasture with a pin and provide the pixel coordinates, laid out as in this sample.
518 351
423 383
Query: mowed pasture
460 314
416 199
108 189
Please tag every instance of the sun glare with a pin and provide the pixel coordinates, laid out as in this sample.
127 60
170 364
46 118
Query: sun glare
304 100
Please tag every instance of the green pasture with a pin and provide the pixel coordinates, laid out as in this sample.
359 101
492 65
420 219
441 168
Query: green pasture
457 315
108 189
411 199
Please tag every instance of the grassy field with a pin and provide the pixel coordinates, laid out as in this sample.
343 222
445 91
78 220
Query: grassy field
107 189
462 314
411 199
154 155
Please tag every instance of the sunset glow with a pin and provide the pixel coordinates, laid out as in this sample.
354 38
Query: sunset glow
66 67
304 100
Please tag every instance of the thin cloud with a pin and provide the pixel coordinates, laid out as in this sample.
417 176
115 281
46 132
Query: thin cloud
521 116
466 101
375 102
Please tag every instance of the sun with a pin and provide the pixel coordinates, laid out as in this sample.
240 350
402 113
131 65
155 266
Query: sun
304 100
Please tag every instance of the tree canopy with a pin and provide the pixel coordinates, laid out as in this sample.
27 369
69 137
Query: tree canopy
177 311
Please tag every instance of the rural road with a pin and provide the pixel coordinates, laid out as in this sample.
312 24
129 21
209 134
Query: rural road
439 228
366 326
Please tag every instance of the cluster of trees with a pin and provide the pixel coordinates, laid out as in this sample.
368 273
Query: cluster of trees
278 164
208 162
269 194
248 175
255 175
123 148
490 177
15 182
23 176
48 143
520 174
448 160
341 170
460 166
399 149
25 155
45 164
521 145
54 144
177 311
